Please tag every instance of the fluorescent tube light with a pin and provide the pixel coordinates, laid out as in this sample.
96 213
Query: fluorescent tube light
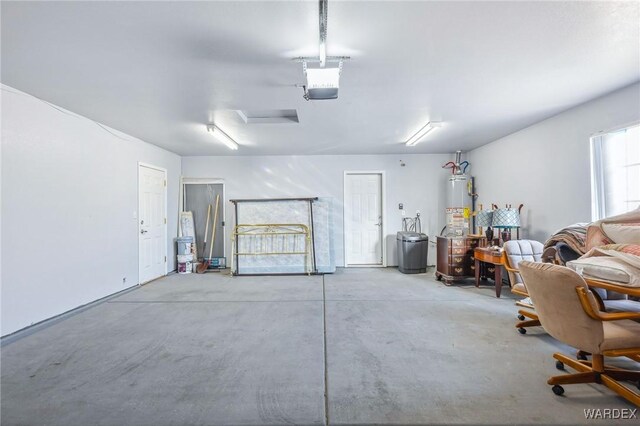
413 140
222 136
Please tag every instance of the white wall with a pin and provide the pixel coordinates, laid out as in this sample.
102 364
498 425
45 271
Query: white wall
420 185
69 193
547 166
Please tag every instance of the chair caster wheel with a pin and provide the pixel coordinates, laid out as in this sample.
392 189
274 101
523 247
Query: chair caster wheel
522 330
581 356
559 365
521 317
558 390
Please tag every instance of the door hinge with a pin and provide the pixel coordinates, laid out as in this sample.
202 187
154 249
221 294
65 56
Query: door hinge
165 220
165 259
165 182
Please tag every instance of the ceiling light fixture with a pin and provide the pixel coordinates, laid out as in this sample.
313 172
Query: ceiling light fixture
222 136
413 140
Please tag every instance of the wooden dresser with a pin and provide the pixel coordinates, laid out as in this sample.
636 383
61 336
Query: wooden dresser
455 257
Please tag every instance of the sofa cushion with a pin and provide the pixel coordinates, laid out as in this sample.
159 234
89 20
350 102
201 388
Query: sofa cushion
606 269
622 305
622 233
596 235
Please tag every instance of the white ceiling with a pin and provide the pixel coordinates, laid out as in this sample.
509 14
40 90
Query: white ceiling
161 70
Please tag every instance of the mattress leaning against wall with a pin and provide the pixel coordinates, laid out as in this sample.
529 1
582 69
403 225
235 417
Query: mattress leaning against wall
323 235
315 214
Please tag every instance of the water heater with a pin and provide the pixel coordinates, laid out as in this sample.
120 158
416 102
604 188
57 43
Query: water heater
459 198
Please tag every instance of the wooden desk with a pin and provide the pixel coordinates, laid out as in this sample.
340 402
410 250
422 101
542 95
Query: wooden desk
485 255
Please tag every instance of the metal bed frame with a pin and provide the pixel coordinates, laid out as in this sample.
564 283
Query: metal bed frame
272 231
271 239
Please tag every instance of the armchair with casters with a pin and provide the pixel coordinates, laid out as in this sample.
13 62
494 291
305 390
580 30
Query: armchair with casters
569 312
514 252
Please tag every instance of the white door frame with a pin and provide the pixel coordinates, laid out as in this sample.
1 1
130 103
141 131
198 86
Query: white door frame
209 181
383 210
165 245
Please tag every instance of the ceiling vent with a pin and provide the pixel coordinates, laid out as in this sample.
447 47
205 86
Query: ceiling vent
269 116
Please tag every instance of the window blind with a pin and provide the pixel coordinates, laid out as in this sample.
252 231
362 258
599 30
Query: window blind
615 172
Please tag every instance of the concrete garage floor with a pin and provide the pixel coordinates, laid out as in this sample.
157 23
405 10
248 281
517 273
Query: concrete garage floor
384 347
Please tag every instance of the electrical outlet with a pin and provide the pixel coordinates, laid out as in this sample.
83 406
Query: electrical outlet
403 213
401 206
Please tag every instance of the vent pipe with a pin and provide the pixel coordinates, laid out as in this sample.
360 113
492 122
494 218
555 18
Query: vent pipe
458 154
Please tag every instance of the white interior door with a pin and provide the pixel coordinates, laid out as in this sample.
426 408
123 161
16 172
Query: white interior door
363 219
152 223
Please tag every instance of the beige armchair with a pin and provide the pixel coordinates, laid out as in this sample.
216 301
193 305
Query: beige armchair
515 251
569 312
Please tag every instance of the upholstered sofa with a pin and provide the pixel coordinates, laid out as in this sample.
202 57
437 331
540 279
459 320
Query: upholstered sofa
613 255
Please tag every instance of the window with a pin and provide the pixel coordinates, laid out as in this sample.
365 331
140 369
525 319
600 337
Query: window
615 172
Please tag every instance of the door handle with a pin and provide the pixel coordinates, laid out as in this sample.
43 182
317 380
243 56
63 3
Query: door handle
143 231
379 221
